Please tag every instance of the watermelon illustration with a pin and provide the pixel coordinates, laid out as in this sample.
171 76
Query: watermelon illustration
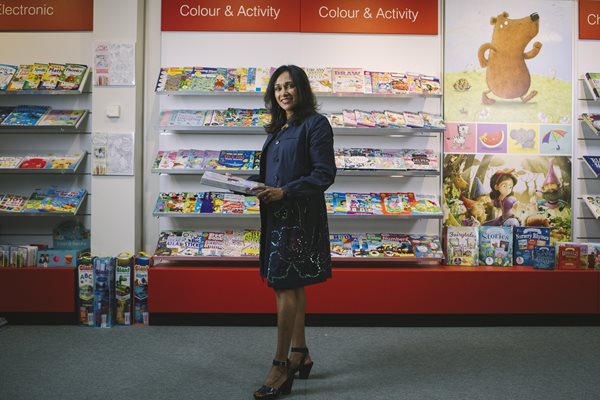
492 139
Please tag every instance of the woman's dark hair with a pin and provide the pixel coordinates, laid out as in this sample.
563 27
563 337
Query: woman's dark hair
305 106
499 177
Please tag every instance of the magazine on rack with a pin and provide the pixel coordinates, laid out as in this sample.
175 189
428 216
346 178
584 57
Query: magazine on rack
592 81
233 183
593 203
594 163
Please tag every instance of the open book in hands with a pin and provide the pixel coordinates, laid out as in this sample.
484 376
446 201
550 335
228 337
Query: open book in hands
233 183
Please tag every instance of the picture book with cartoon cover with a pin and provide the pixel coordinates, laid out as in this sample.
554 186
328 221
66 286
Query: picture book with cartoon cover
414 82
9 162
158 159
433 121
399 83
211 159
5 112
380 119
340 205
18 80
251 204
462 245
347 80
263 75
495 245
392 159
12 202
171 78
190 243
203 79
251 242
212 202
544 257
381 82
168 159
413 119
421 159
63 201
594 163
7 72
365 118
320 79
25 115
33 79
217 118
241 79
212 244
569 256
61 118
35 162
341 244
593 203
397 203
72 77
186 78
251 81
168 243
181 159
328 202
394 119
169 202
233 203
233 243
185 118
593 121
526 239
349 118
396 245
430 84
426 204
376 204
195 159
50 77
359 203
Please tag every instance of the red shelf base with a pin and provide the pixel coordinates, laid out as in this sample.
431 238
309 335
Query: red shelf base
37 290
424 290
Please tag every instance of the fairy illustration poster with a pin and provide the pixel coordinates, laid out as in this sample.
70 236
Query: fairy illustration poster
520 190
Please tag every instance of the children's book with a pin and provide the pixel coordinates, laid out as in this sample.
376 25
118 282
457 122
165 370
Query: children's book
594 163
592 81
211 159
413 120
18 79
186 118
233 243
212 244
161 82
158 159
336 120
72 77
12 203
414 82
104 291
251 204
168 159
340 205
544 257
569 256
359 203
35 162
181 159
526 239
396 245
347 80
195 159
251 84
392 159
186 78
8 162
25 115
365 118
376 204
421 159
203 79
263 75
320 79
593 203
341 244
462 245
380 119
241 79
6 74
328 202
426 204
190 243
65 162
51 76
349 118
190 205
217 118
430 84
381 82
593 121
61 118
395 119
233 203
230 80
495 245
251 240
168 243
434 121
594 256
397 203
399 83
233 183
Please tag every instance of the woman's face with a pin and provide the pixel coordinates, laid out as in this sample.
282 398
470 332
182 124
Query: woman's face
286 93
505 187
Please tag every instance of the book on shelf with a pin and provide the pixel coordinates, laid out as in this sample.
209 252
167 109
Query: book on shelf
251 240
342 244
50 78
193 118
495 245
233 183
263 75
381 82
251 80
72 77
592 81
349 118
195 159
359 203
526 239
347 80
212 244
569 255
35 162
426 204
236 160
10 162
593 121
55 200
25 115
462 245
32 81
12 202
5 112
186 77
18 80
430 84
61 118
395 119
7 72
397 203
594 163
593 203
168 243
320 79
233 242
203 79
365 118
544 257
189 244
421 159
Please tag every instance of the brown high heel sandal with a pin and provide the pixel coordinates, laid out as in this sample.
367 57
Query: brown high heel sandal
267 393
303 368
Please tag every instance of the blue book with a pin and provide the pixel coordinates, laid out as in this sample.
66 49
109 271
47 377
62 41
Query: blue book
544 257
495 245
526 238
594 163
236 159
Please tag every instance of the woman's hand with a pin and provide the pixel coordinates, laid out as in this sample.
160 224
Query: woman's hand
268 194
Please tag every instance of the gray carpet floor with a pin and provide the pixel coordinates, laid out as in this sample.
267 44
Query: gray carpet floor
191 362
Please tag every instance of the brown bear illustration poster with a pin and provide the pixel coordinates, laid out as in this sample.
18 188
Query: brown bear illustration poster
508 61
491 189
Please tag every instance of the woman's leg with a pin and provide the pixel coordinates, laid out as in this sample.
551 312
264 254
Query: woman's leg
286 316
299 336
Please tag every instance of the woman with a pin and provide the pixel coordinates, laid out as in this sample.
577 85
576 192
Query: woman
297 166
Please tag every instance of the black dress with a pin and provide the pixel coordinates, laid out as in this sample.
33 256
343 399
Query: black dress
294 245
